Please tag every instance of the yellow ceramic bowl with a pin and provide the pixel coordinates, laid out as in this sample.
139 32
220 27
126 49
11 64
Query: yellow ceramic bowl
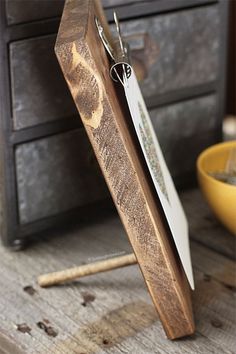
220 196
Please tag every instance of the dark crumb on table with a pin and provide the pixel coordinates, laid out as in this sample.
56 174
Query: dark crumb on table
29 290
230 287
45 320
23 328
87 297
49 330
41 325
105 342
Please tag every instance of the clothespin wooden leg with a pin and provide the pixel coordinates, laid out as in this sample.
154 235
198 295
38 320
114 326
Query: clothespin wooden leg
84 270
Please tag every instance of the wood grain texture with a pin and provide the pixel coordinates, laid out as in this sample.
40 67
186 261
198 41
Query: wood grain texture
113 314
84 63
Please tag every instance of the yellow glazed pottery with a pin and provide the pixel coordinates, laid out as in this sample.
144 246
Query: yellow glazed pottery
220 196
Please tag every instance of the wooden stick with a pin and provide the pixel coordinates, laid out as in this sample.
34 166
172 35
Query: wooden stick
84 270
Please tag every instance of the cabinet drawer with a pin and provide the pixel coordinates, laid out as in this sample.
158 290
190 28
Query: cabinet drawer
186 48
187 56
39 91
20 11
59 173
184 129
56 174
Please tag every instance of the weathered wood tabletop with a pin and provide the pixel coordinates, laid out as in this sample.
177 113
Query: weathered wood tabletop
112 312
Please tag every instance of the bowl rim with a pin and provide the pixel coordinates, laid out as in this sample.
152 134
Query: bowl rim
204 153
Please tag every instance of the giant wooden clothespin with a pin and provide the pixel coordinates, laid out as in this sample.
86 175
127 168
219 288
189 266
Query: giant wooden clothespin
86 68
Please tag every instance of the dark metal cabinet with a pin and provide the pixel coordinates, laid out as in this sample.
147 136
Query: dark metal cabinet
48 173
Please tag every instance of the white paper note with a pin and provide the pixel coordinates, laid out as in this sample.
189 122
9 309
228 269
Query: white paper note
159 172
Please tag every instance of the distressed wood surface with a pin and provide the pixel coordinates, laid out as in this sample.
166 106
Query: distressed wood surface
112 313
86 69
